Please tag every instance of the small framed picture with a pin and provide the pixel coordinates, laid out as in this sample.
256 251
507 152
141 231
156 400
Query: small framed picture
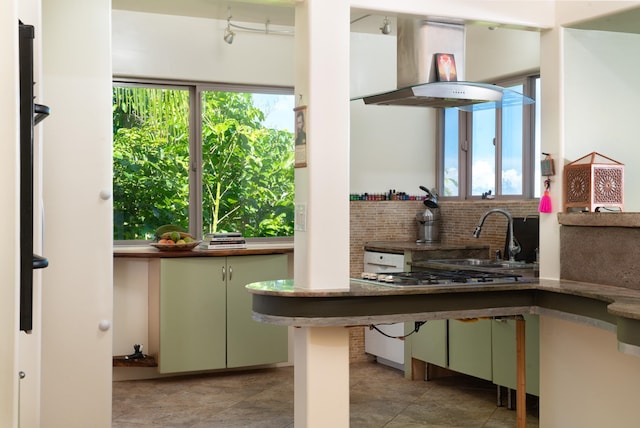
446 67
301 136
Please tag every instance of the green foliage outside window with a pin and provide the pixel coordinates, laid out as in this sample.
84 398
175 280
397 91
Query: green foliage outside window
247 169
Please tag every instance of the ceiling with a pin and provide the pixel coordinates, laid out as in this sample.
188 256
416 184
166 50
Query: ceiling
277 12
623 22
281 12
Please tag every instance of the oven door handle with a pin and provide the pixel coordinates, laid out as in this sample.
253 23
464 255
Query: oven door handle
383 264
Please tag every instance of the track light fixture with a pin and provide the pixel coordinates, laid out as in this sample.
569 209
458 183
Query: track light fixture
229 33
386 26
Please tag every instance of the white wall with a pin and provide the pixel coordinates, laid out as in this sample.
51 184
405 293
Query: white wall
185 48
602 90
130 313
492 54
585 382
392 147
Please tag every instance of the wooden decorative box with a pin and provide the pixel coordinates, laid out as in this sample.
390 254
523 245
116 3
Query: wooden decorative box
593 181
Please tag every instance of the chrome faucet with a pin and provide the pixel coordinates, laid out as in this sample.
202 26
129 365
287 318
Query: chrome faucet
514 246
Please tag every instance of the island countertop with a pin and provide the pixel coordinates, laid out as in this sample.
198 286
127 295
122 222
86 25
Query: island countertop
362 303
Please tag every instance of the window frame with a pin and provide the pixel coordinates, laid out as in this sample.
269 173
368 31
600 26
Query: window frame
195 88
530 153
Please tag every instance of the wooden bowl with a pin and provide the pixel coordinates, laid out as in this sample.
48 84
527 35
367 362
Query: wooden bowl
176 247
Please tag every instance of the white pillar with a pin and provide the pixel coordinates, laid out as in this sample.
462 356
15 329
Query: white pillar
322 207
9 214
322 187
321 377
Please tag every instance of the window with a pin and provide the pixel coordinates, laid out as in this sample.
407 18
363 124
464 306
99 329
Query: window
493 151
208 158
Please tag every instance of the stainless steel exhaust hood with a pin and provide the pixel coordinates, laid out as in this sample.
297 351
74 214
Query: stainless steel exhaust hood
418 41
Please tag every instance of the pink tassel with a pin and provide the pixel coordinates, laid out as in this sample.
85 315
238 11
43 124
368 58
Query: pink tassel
545 203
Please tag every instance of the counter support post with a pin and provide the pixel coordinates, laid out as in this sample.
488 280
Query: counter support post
321 377
521 389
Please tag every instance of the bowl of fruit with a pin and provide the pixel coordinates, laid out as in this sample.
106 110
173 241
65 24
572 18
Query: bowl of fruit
173 238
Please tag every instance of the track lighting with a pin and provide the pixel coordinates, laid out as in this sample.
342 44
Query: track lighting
386 26
228 34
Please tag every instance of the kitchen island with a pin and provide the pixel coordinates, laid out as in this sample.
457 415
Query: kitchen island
604 306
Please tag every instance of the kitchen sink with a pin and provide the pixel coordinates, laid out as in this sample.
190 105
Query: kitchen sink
478 264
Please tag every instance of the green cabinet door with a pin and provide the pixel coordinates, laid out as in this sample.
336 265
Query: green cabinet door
250 342
192 314
429 344
470 348
504 353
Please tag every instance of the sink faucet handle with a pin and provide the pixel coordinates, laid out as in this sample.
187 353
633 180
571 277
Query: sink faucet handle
514 248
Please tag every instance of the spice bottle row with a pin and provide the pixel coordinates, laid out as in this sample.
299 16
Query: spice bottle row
391 195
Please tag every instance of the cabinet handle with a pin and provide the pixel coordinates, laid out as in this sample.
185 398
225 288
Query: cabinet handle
224 273
230 273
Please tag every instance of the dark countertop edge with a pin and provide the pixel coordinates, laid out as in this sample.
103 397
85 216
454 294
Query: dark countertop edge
152 253
357 288
401 246
589 219
603 306
360 288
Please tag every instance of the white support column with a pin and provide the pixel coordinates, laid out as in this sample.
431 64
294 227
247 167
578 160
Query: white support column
322 187
321 258
321 377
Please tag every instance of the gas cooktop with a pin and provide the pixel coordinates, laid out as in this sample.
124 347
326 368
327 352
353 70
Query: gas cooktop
440 277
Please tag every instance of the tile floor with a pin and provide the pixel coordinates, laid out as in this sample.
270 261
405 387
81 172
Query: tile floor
380 397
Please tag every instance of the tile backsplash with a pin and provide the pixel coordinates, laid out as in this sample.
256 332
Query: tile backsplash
396 221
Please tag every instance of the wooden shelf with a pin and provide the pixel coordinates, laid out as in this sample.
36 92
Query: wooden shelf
121 361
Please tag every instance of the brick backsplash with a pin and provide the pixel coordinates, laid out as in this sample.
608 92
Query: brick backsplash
396 221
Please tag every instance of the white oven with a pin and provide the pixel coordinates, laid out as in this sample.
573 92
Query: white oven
387 350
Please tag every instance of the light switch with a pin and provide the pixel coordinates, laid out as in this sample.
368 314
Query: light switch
301 218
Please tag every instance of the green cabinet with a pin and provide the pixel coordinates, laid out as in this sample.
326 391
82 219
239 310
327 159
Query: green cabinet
429 344
462 346
192 315
250 342
205 315
503 343
470 347
484 348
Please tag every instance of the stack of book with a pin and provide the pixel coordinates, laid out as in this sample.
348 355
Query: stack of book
220 241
